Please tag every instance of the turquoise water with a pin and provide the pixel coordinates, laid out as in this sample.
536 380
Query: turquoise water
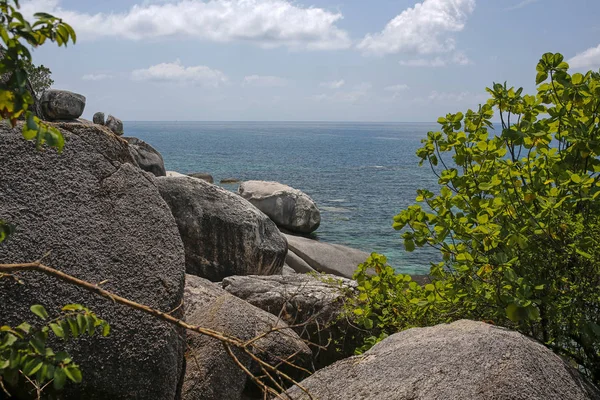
359 174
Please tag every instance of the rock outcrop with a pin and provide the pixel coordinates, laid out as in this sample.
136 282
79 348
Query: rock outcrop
312 305
102 220
114 124
146 156
223 234
328 258
211 374
62 105
462 360
289 208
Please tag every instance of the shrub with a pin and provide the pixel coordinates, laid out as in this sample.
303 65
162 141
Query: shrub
516 219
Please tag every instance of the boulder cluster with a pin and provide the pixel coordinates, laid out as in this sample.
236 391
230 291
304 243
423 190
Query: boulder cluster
107 211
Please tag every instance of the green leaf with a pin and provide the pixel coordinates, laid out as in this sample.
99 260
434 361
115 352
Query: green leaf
58 331
73 373
39 310
409 245
60 378
32 366
541 77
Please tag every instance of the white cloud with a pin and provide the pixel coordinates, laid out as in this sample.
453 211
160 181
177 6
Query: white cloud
269 23
522 4
264 81
458 59
333 84
424 29
96 77
456 97
397 88
587 59
176 72
354 95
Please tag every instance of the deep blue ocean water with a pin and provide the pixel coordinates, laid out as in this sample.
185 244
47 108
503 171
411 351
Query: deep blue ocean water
359 174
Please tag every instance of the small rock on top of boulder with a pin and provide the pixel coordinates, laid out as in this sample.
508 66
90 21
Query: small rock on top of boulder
62 105
98 118
462 360
115 125
289 208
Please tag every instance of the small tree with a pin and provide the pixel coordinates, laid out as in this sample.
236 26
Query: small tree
40 78
516 218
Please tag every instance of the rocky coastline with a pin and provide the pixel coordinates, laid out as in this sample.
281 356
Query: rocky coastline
241 263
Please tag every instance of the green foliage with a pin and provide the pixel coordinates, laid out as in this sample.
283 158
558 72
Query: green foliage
39 77
24 350
15 98
516 218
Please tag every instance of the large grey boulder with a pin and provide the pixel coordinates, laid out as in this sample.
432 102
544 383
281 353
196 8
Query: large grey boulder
102 220
146 156
62 105
114 124
462 360
328 258
314 305
211 374
223 234
289 208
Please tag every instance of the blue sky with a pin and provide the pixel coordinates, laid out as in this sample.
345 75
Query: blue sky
308 60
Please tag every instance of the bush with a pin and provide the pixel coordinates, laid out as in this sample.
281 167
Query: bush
516 218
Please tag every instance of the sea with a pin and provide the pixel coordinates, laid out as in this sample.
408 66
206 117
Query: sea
359 174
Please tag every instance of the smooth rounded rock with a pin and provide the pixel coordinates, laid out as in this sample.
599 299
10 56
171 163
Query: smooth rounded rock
223 234
289 208
462 360
327 258
62 105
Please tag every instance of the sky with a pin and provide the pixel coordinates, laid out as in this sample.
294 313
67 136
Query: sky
308 60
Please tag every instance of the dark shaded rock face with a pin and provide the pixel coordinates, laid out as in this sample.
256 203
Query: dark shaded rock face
204 176
103 219
462 360
223 234
98 118
289 208
146 156
62 105
114 124
211 374
313 304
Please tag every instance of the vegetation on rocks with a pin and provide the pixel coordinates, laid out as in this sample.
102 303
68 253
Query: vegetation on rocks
516 219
